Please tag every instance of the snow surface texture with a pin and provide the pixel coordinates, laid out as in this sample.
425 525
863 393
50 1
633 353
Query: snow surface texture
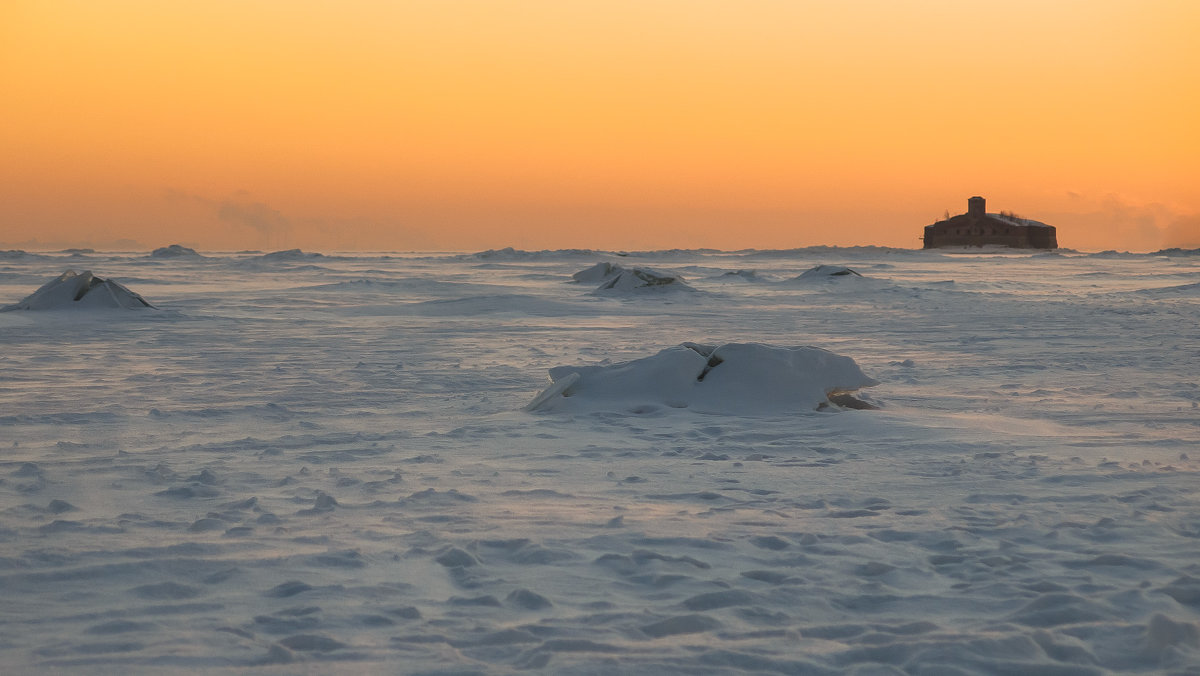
80 291
322 467
735 378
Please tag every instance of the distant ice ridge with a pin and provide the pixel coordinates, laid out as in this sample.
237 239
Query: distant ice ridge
734 378
512 254
72 290
17 254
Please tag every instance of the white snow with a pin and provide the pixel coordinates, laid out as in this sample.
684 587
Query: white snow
735 378
326 468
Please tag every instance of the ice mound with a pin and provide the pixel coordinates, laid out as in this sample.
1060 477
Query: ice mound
641 279
825 272
598 273
72 290
174 251
734 378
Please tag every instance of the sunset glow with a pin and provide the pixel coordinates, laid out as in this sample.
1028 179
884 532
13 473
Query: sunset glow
617 125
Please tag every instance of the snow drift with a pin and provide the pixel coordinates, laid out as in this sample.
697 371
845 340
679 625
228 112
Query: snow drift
735 378
72 290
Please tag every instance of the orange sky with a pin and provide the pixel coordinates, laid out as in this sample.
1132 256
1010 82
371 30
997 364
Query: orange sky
471 124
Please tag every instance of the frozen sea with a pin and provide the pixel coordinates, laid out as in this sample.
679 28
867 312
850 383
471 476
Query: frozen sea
319 464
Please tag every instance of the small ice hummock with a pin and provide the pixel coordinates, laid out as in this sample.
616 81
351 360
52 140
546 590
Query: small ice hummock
827 272
290 255
734 378
739 276
84 291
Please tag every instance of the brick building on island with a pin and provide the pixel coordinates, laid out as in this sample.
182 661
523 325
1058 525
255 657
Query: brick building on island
979 228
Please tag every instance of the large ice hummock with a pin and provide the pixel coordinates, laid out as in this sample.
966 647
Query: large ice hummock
616 278
83 290
734 378
598 273
174 251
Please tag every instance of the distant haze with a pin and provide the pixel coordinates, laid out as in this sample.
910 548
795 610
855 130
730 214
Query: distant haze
620 125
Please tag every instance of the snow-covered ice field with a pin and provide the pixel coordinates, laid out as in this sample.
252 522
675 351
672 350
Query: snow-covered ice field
321 464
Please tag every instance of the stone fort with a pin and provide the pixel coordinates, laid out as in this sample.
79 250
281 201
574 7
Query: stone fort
979 228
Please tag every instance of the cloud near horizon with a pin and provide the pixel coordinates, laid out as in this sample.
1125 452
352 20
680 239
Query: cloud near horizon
268 222
1184 232
1098 223
240 213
